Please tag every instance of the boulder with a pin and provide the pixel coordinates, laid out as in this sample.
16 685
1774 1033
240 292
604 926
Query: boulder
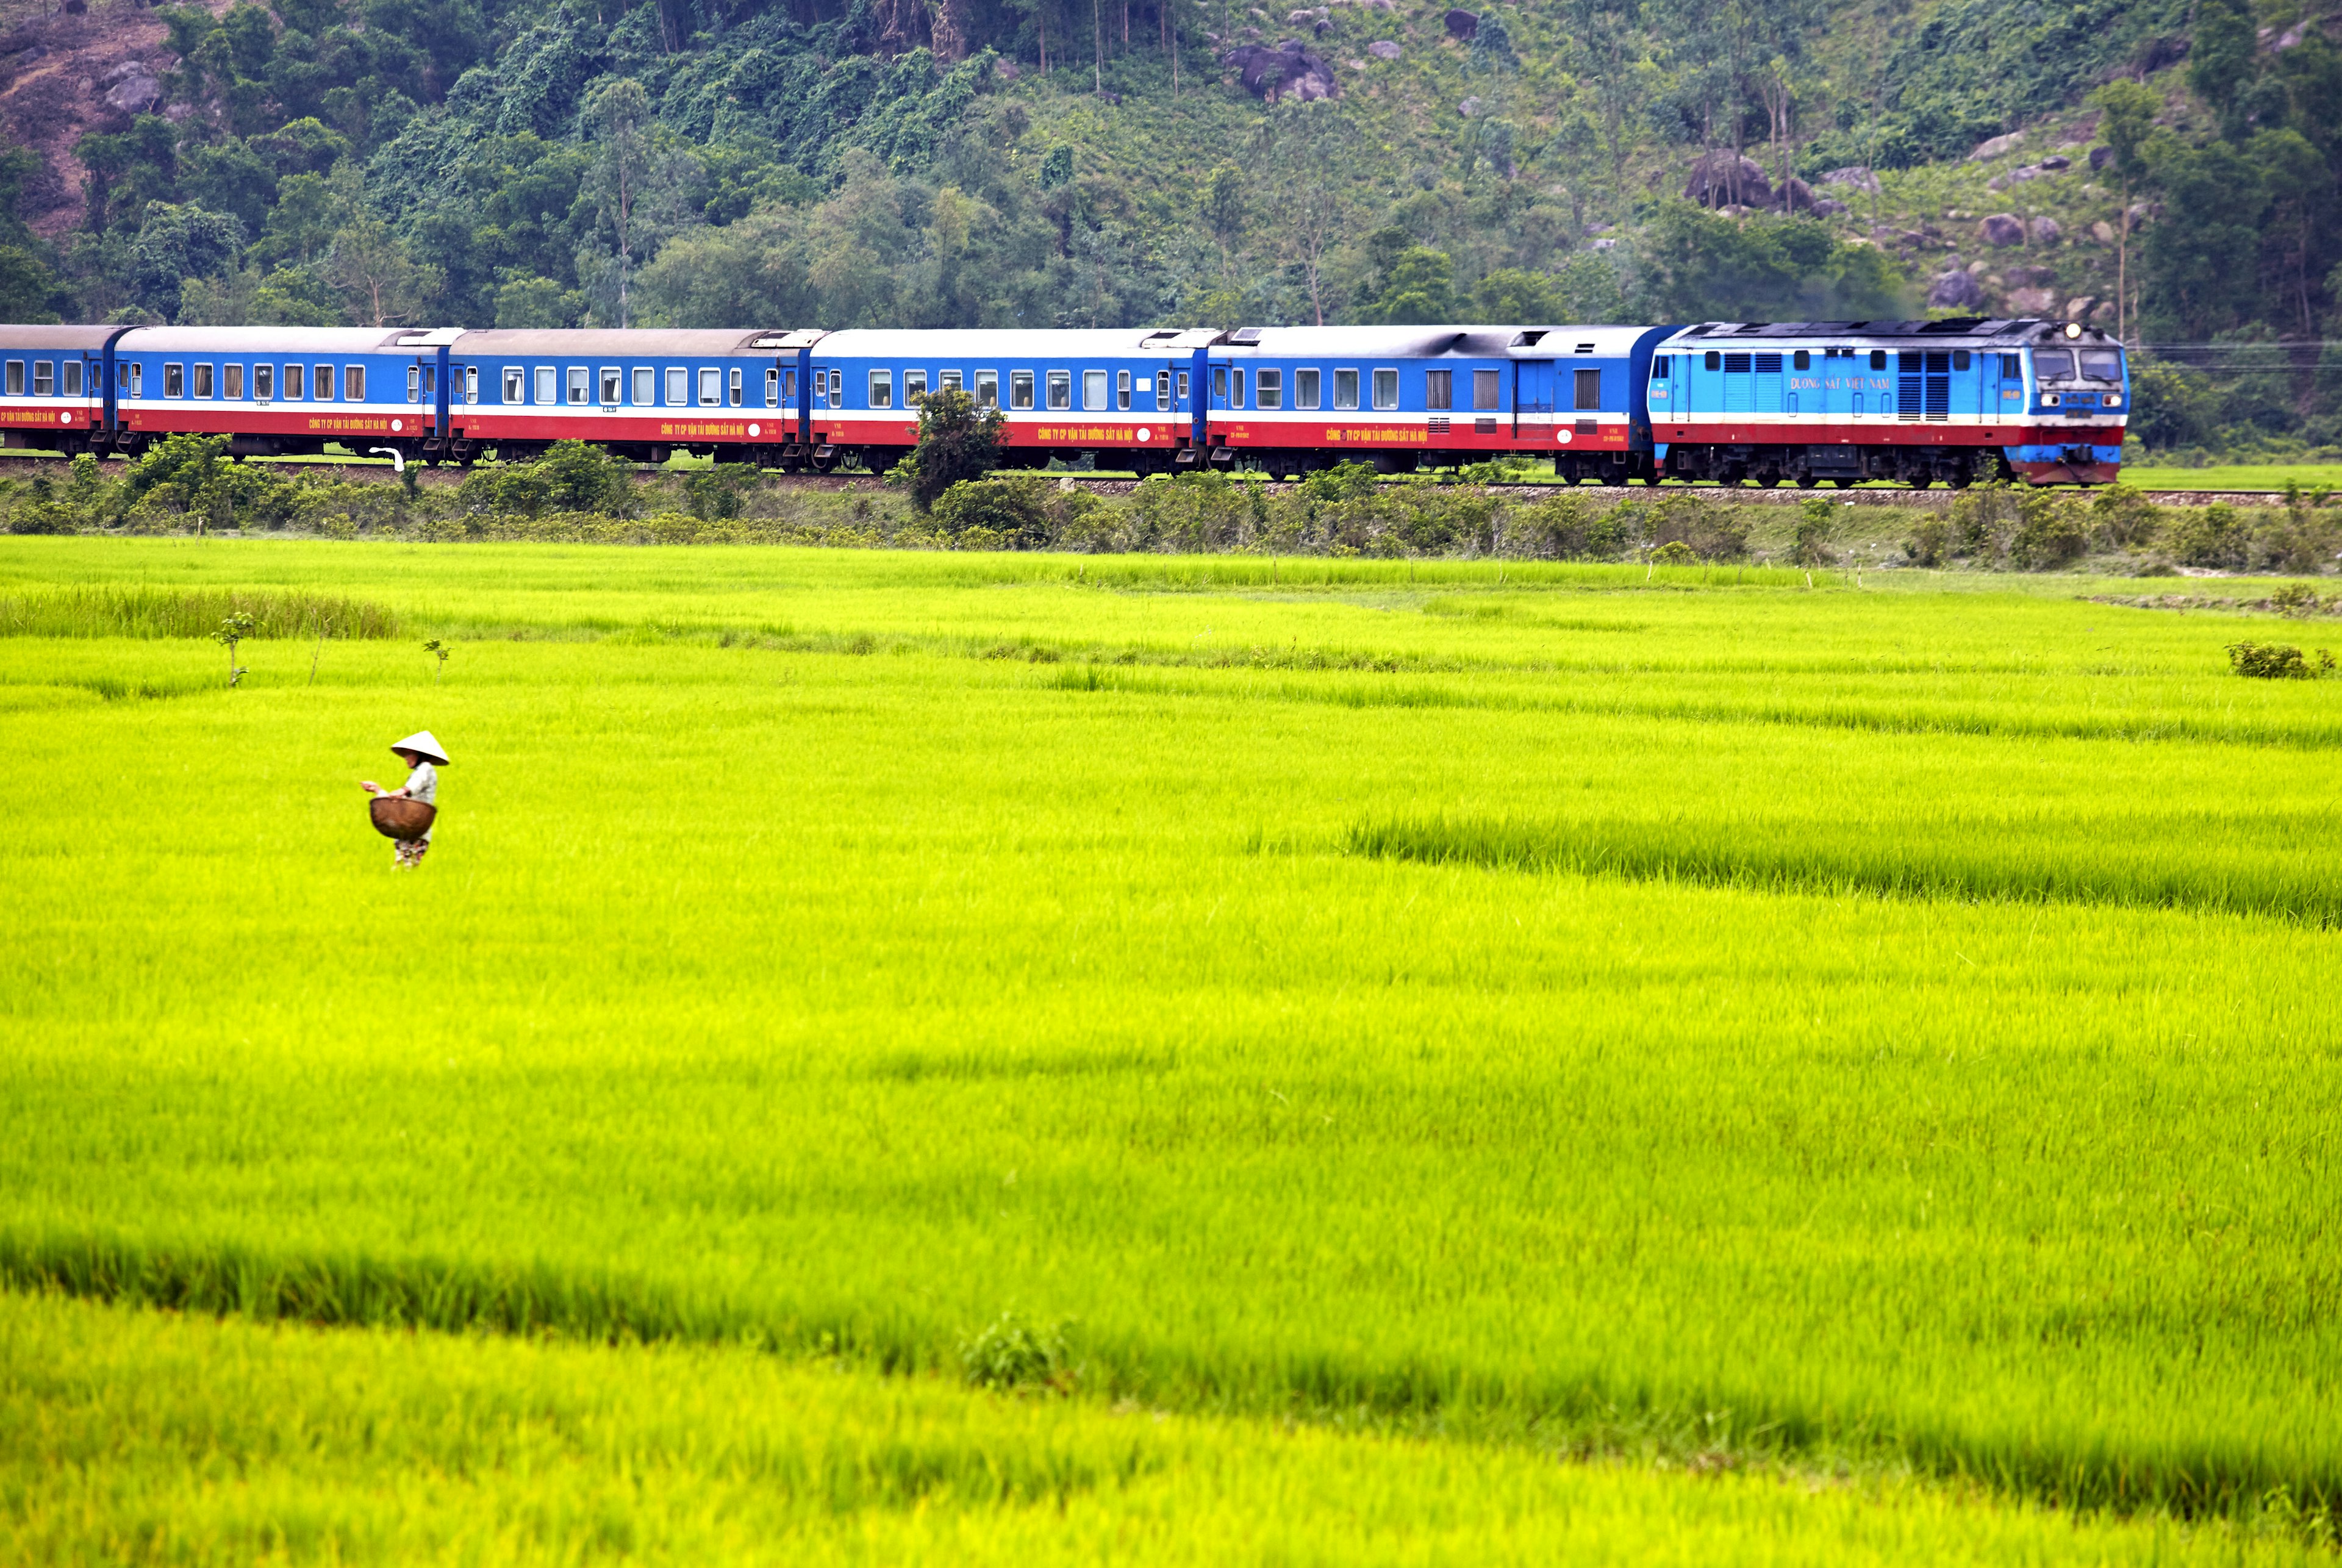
1468 107
2020 176
1956 291
2030 276
1605 244
2031 300
2100 158
2053 163
1998 146
134 95
2002 230
1722 179
1006 70
2102 232
2046 231
2079 307
1854 175
1794 196
1826 208
1462 25
1383 49
1270 72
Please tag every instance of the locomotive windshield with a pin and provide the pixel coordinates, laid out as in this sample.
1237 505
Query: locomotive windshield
2095 364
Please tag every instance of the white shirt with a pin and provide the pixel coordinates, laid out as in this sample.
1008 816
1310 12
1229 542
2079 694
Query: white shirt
422 784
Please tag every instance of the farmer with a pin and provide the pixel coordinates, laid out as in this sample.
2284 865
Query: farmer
423 758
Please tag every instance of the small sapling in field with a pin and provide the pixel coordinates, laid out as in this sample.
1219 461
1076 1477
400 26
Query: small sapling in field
440 650
234 629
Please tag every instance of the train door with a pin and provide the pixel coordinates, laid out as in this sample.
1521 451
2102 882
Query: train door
1537 395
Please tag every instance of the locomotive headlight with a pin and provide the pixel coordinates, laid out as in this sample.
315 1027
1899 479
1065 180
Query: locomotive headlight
2072 329
2112 400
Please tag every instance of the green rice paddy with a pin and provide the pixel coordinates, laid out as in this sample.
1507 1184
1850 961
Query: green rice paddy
1417 1062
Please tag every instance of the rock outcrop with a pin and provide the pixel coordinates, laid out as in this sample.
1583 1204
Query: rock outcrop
1724 179
1271 71
2002 230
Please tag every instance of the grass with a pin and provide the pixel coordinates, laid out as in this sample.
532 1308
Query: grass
1942 1093
146 1437
2274 476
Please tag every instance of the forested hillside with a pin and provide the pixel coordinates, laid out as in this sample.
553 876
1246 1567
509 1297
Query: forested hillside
2166 169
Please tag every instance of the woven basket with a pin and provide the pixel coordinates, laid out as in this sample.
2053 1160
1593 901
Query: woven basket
395 817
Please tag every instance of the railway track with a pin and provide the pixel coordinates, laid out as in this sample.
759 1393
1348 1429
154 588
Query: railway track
355 472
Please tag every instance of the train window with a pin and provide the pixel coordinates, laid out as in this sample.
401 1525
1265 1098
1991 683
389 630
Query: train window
543 389
914 388
1219 384
203 381
1272 389
1020 389
515 385
2102 364
1878 359
1122 390
1484 390
711 387
1387 386
16 383
1182 386
948 381
471 383
580 384
1162 389
1346 389
882 389
1802 360
1305 389
1589 388
1715 361
354 384
1959 359
820 388
646 385
679 386
138 381
838 389
1093 389
43 379
987 389
788 386
1236 386
1662 368
324 383
413 382
175 378
1438 389
264 383
430 384
732 386
233 375
72 378
614 383
773 388
2011 368
1061 389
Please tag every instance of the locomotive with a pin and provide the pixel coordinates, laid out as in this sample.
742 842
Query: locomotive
1913 401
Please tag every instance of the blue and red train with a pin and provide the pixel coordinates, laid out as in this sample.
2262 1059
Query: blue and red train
1913 401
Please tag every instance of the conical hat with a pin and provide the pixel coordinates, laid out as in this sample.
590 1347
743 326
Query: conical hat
425 741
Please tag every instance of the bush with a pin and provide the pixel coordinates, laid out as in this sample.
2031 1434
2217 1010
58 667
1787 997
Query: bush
1674 552
2213 536
2049 535
958 443
1980 522
1194 511
1809 541
2275 661
1709 531
2124 518
1001 513
1930 538
1014 1356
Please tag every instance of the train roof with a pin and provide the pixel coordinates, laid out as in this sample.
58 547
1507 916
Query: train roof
615 342
77 339
952 342
2009 331
1468 340
269 340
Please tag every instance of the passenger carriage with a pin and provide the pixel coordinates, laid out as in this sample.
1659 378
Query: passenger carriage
275 391
1916 402
52 381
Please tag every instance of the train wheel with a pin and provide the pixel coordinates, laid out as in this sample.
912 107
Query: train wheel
1807 482
1768 481
1842 483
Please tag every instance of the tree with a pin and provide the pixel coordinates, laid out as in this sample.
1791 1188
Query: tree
177 242
617 112
1307 139
1418 290
958 441
2127 111
2219 56
379 282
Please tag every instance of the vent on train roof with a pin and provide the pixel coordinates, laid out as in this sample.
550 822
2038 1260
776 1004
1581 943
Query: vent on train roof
1529 339
1585 348
1245 335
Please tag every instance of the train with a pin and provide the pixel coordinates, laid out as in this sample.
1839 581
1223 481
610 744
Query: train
1955 401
